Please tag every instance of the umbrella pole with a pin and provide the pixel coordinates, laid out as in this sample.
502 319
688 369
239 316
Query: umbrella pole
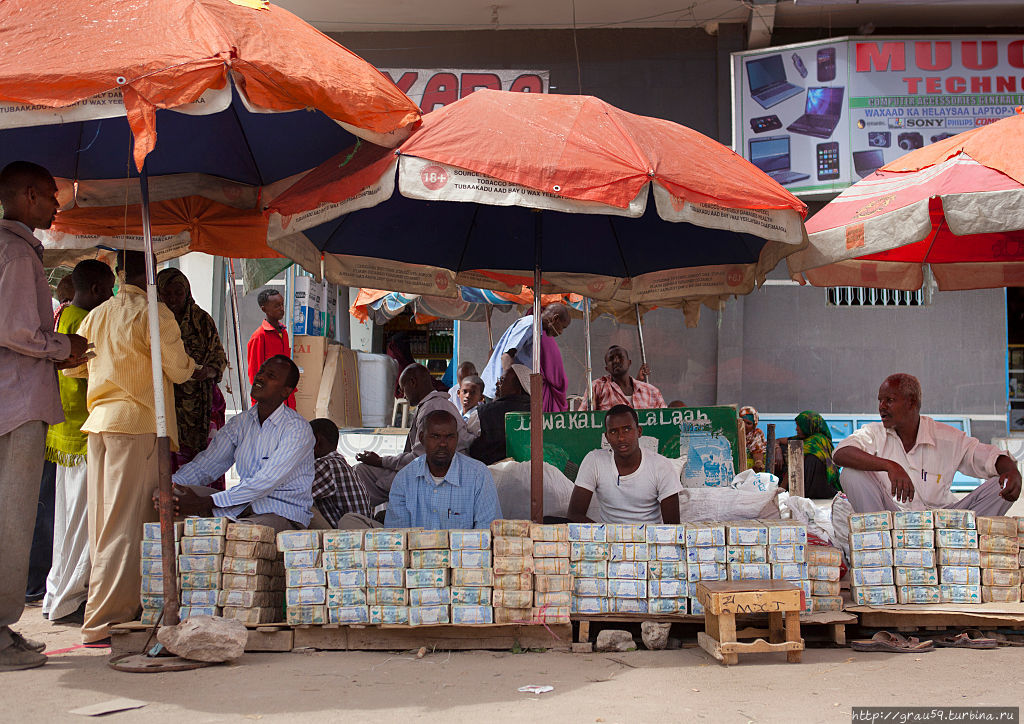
640 334
163 443
590 362
536 395
490 333
243 403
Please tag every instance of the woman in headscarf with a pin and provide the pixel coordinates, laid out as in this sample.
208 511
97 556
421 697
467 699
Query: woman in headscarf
756 445
821 476
194 400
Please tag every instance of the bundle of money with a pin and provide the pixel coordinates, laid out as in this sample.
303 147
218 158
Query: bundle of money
152 564
957 557
253 582
999 549
470 559
514 564
552 580
668 590
915 575
305 576
823 573
872 581
588 567
344 564
202 545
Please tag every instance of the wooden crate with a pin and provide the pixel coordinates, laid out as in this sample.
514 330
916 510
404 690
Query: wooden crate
723 600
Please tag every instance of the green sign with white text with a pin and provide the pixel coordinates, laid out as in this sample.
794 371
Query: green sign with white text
707 436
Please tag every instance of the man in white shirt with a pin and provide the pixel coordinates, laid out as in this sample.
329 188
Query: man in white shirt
907 461
632 485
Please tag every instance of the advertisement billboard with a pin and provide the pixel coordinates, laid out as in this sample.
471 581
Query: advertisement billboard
433 88
820 116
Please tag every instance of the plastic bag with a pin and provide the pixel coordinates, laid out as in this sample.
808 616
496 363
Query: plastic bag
818 520
513 482
749 480
841 512
696 504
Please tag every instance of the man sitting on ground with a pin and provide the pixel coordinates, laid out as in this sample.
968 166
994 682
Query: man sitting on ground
618 388
513 396
272 447
375 472
336 490
442 489
907 461
632 485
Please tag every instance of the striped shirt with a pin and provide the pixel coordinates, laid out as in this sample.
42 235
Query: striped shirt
120 396
465 498
608 394
274 462
336 489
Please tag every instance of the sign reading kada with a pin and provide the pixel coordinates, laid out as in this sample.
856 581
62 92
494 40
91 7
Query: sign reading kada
432 88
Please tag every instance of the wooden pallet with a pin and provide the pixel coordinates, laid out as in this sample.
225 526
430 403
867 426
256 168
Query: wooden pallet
833 622
131 637
941 615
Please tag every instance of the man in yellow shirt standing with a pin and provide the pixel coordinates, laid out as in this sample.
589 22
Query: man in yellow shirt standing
122 452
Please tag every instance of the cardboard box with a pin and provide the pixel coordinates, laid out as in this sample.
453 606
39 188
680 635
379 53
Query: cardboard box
307 317
309 354
338 396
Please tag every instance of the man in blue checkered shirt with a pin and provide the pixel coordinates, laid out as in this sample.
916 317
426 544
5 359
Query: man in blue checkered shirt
336 489
442 489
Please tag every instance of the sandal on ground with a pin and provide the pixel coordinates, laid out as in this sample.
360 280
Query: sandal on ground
970 638
888 642
1005 640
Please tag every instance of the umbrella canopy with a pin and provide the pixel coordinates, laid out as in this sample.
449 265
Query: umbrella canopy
469 306
957 205
587 165
211 94
211 98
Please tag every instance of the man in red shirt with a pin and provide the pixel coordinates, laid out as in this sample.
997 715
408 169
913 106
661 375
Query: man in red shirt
271 338
619 388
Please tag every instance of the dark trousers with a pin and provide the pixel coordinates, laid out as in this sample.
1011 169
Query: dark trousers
41 556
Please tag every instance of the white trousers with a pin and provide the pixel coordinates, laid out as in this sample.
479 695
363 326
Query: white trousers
67 585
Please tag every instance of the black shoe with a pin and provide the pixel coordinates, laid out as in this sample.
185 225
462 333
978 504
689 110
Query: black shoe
75 618
99 644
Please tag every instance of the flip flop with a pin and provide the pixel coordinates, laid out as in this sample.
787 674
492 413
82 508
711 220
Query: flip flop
966 640
1004 640
894 643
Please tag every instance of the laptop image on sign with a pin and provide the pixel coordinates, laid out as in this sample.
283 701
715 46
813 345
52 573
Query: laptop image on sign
771 155
866 163
767 79
821 113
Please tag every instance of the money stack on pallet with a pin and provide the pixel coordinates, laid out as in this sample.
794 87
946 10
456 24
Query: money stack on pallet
747 551
344 565
705 558
203 541
252 584
667 587
628 556
305 578
588 564
153 570
871 555
913 540
428 577
1000 569
513 571
823 571
552 582
956 546
472 576
386 594
787 555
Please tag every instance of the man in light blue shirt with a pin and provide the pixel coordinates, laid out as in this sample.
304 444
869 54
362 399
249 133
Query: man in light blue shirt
442 489
271 446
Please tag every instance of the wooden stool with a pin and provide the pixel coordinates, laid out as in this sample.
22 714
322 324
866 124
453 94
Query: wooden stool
722 600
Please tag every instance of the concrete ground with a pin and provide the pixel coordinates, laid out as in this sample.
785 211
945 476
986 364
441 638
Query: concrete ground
639 686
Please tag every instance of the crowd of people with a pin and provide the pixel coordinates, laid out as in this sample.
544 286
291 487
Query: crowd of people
79 397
